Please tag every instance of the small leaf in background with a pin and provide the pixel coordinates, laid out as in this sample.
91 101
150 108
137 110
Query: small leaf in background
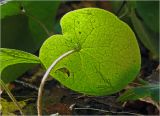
149 12
8 108
151 90
17 60
148 38
146 28
108 57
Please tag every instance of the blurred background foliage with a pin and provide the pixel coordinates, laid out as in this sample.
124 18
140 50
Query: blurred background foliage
26 24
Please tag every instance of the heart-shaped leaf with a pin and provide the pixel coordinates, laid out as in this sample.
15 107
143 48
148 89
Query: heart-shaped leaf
107 55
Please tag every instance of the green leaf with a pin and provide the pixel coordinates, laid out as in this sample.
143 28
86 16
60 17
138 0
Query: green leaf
107 56
149 12
11 56
15 34
43 11
41 19
151 90
13 62
147 36
26 24
10 9
22 27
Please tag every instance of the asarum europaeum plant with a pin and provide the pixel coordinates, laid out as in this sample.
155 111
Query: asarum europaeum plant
96 54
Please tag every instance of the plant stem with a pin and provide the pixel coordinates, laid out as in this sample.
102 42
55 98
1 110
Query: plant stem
39 101
11 96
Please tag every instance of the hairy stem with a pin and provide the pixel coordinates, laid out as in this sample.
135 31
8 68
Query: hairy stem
39 101
11 96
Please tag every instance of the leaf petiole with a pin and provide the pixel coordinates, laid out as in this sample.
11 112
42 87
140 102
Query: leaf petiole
39 101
